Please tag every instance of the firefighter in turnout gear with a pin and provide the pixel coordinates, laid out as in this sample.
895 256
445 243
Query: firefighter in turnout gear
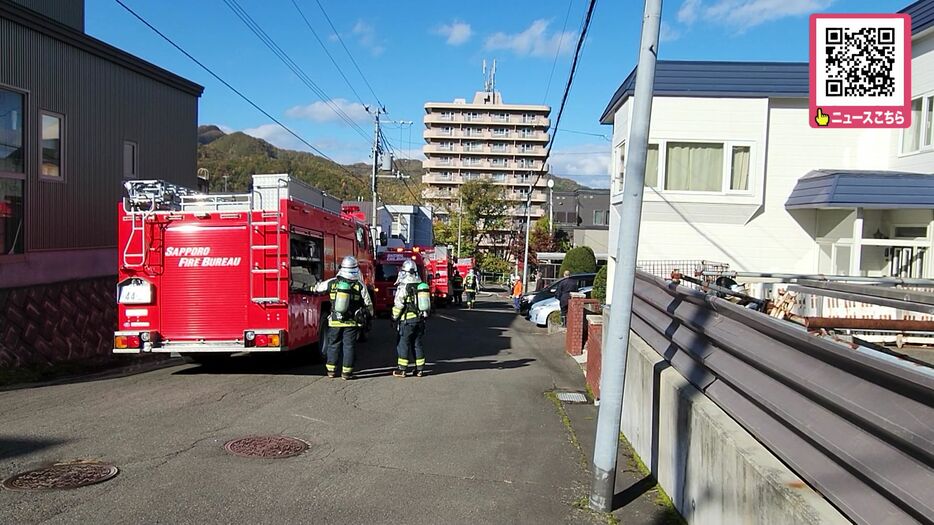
470 287
410 309
349 300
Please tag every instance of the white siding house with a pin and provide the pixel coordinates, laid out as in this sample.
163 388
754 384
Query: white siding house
730 142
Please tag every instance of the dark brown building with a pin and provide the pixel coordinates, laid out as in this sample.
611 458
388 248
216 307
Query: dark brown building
77 118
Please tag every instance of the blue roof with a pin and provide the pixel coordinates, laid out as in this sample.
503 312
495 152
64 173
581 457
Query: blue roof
922 15
718 79
862 189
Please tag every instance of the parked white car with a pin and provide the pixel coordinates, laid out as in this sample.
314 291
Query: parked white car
543 309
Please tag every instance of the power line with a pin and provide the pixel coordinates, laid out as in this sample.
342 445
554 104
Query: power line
349 54
557 51
264 37
601 135
567 91
235 90
328 53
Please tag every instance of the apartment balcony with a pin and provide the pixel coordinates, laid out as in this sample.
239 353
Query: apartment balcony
438 133
472 163
485 149
536 121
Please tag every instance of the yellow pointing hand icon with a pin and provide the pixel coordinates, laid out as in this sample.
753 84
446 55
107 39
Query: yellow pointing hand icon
821 118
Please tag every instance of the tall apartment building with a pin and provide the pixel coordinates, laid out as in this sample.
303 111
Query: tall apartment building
489 140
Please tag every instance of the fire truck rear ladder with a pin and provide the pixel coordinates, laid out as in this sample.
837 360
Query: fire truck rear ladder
144 198
261 227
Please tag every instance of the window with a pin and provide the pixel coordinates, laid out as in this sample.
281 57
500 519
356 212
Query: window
500 132
474 132
444 175
11 216
12 172
305 261
500 117
911 232
928 130
51 160
130 161
447 115
498 177
526 133
600 217
528 118
911 137
447 130
523 178
739 168
445 146
471 116
525 163
500 163
499 147
651 166
693 166
444 161
12 158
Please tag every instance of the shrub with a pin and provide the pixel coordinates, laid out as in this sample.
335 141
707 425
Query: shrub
579 260
599 285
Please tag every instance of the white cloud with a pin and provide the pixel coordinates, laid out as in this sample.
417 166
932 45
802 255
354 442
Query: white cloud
456 32
744 14
534 41
687 14
277 136
667 33
320 111
366 36
588 164
226 129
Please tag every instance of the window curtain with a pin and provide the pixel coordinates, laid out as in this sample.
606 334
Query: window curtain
739 178
651 166
911 137
694 167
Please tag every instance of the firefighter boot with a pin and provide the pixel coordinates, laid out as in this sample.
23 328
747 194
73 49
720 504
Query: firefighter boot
399 372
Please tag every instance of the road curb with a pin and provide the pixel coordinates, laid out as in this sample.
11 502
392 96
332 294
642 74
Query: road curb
112 373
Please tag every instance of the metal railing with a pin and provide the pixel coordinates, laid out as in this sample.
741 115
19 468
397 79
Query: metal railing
858 427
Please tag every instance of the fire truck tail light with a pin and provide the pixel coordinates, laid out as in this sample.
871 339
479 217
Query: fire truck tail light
132 341
274 340
249 335
145 337
120 341
262 340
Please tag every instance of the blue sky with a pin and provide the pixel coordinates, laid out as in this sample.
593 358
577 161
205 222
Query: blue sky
415 51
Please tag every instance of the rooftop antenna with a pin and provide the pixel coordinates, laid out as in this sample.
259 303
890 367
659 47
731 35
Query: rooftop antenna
493 78
486 83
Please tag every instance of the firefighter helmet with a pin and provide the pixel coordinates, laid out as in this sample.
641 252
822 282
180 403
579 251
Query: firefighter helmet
349 268
409 266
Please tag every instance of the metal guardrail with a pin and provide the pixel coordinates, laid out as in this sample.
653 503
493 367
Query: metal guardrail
857 428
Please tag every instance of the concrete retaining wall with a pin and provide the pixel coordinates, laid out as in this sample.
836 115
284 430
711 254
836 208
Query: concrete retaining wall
713 470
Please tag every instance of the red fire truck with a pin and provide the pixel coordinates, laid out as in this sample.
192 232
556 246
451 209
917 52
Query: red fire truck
388 263
440 265
211 275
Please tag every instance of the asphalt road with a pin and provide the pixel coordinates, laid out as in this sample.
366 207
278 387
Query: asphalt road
475 441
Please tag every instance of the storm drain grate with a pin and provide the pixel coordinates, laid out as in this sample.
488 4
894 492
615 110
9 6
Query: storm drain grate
269 447
571 397
59 476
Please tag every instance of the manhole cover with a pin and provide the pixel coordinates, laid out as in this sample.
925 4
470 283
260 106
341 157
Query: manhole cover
572 397
61 476
266 447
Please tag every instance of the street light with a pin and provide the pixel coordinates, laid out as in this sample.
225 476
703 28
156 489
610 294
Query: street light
551 185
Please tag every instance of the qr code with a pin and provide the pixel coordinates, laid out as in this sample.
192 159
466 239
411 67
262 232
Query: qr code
860 62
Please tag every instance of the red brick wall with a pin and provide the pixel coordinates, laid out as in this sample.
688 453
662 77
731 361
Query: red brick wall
576 334
52 323
594 356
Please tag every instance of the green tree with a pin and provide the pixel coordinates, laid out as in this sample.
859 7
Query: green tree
579 260
483 211
490 263
599 285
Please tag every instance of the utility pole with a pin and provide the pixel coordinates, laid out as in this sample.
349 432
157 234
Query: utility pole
376 151
460 219
613 375
528 221
551 207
